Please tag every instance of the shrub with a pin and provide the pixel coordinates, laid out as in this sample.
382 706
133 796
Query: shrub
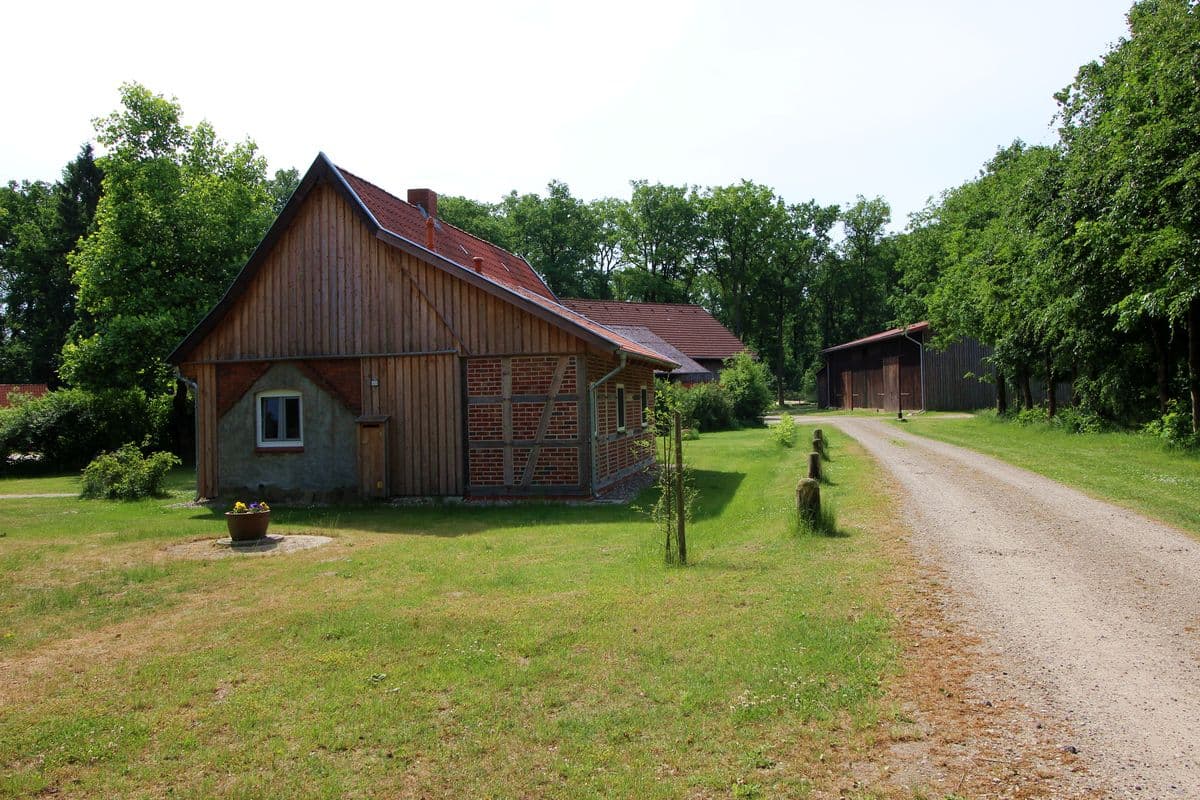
1078 419
70 427
708 406
748 384
785 432
125 475
1030 416
1174 427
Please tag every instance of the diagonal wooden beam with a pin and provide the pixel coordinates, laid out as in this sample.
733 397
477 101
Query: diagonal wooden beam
560 372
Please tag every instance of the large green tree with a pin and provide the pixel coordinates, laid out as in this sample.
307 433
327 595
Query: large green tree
659 237
740 226
485 220
557 234
180 213
39 225
782 312
1131 133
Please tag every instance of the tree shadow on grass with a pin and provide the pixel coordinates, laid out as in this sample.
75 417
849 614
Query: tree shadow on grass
714 491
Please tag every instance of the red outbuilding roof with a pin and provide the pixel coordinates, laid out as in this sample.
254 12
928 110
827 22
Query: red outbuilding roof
916 327
410 222
690 328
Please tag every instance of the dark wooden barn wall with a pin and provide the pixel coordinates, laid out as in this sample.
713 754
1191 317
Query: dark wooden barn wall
330 288
952 377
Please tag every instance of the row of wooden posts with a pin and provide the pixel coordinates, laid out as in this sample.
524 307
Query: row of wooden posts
808 492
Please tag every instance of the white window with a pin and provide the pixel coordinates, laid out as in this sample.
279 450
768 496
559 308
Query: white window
280 416
620 408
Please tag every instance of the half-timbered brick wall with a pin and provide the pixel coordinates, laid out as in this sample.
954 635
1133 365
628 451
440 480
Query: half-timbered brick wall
621 453
524 430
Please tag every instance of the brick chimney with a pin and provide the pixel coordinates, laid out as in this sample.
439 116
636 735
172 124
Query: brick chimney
425 198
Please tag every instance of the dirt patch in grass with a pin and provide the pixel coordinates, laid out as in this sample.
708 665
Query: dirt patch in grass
271 545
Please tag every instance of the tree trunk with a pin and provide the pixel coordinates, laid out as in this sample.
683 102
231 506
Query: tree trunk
1026 390
1051 392
1001 394
1162 357
1194 361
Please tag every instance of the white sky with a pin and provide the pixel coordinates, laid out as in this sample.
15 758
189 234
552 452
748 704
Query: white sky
819 99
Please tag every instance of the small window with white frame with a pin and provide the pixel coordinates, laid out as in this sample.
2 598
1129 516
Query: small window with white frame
280 419
620 408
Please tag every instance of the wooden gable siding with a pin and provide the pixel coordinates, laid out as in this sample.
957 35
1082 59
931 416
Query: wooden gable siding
329 287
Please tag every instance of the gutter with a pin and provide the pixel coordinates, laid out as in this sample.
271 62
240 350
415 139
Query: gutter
921 353
595 416
191 384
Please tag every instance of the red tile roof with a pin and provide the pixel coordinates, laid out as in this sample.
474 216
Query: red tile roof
409 221
624 342
9 389
916 327
690 328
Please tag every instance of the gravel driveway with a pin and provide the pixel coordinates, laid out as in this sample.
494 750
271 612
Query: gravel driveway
1095 609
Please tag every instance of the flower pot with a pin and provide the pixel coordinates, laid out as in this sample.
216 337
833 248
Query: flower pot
247 528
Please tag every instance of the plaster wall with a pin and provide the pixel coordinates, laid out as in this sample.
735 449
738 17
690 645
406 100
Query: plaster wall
326 467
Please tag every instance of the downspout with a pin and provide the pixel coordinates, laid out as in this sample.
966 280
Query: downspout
595 416
921 353
195 420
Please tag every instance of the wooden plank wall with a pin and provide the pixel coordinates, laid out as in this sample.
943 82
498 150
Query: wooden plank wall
872 384
330 287
945 369
206 429
422 395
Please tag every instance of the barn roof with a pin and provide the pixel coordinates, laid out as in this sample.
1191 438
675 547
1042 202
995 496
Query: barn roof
690 328
916 327
500 273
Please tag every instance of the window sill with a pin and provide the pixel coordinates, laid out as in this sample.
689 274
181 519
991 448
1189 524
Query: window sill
269 450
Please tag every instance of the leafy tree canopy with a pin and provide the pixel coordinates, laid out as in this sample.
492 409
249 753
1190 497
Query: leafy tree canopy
180 213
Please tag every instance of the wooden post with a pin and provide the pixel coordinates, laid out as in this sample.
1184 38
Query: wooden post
808 498
679 499
818 435
818 442
814 466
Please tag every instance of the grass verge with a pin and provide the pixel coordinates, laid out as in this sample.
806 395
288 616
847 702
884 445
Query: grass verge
1128 469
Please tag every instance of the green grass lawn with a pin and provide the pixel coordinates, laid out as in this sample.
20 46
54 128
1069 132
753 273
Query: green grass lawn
30 481
449 651
1128 469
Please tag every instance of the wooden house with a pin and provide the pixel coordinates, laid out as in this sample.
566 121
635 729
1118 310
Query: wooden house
368 348
898 370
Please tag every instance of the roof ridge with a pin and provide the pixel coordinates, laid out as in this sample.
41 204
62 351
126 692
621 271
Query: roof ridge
634 302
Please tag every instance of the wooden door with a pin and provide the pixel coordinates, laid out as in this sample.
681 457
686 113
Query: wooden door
891 383
372 457
848 390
